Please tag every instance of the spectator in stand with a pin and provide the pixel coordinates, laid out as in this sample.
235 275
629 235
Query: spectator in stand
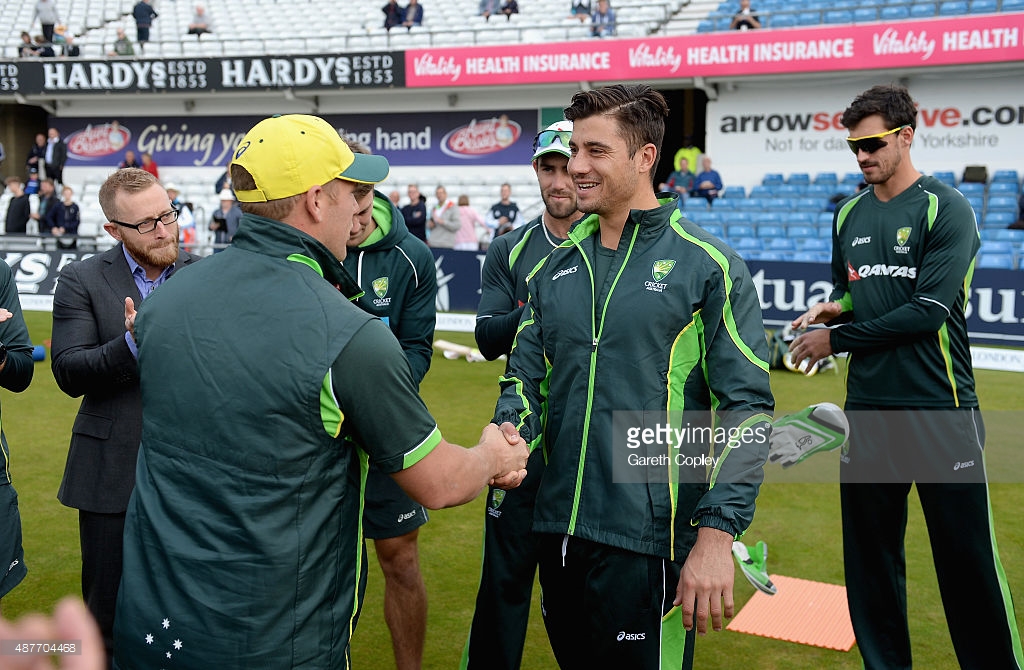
688 153
413 15
394 14
129 161
395 197
186 219
149 165
27 48
44 47
36 159
56 156
444 221
223 181
508 8
46 12
679 181
473 232
1016 225
44 205
707 183
603 20
63 218
200 23
580 9
32 185
18 207
122 46
70 49
225 220
415 213
488 7
504 214
2 154
144 14
745 19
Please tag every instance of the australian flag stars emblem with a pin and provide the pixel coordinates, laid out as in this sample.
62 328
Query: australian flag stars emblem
165 644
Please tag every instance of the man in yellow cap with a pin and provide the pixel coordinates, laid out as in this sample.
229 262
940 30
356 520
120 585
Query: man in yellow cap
242 544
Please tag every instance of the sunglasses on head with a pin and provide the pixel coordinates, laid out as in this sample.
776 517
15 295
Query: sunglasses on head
870 143
546 138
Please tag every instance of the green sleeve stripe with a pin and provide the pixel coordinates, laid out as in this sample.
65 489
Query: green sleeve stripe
845 210
967 282
364 468
947 359
513 255
727 315
330 413
683 357
734 442
933 209
417 453
846 302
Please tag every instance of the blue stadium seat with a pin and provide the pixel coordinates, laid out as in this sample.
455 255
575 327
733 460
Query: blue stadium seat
947 177
1003 188
703 215
824 191
802 218
922 10
767 256
772 178
826 178
1003 176
706 26
799 178
748 204
802 231
996 262
815 244
970 188
825 219
745 243
894 13
998 219
768 231
976 202
734 192
983 7
737 231
780 244
768 217
834 16
1000 203
997 247
809 205
791 190
724 204
852 179
810 257
953 8
762 191
808 18
865 14
1013 5
715 229
1014 235
825 232
779 204
787 20
735 216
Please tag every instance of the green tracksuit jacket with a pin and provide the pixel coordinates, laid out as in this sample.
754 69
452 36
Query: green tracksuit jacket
399 284
674 327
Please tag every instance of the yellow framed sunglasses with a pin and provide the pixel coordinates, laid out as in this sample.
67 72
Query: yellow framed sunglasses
870 143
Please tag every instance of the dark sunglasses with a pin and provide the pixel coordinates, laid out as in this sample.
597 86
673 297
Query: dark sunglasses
870 143
546 138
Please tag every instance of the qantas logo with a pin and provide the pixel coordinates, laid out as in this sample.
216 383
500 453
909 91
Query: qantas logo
851 274
879 270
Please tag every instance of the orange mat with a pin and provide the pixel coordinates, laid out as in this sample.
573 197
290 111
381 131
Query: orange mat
802 611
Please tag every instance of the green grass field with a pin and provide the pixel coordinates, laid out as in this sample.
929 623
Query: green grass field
800 521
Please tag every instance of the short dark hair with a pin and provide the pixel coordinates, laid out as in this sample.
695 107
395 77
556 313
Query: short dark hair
890 101
639 110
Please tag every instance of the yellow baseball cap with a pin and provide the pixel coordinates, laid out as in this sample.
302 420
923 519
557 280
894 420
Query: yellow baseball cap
291 153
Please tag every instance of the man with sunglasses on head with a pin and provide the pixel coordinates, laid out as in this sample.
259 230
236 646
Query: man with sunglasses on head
94 355
639 316
502 610
903 253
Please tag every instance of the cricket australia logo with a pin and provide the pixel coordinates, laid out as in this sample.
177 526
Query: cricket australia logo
380 289
902 235
659 271
497 497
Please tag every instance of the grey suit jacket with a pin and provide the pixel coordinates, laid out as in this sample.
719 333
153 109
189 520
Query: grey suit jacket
89 357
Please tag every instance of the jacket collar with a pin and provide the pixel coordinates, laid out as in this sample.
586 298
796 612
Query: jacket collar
650 221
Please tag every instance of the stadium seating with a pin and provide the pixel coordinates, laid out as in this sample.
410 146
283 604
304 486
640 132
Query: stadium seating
1005 176
894 13
998 219
1009 188
999 203
997 262
983 7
